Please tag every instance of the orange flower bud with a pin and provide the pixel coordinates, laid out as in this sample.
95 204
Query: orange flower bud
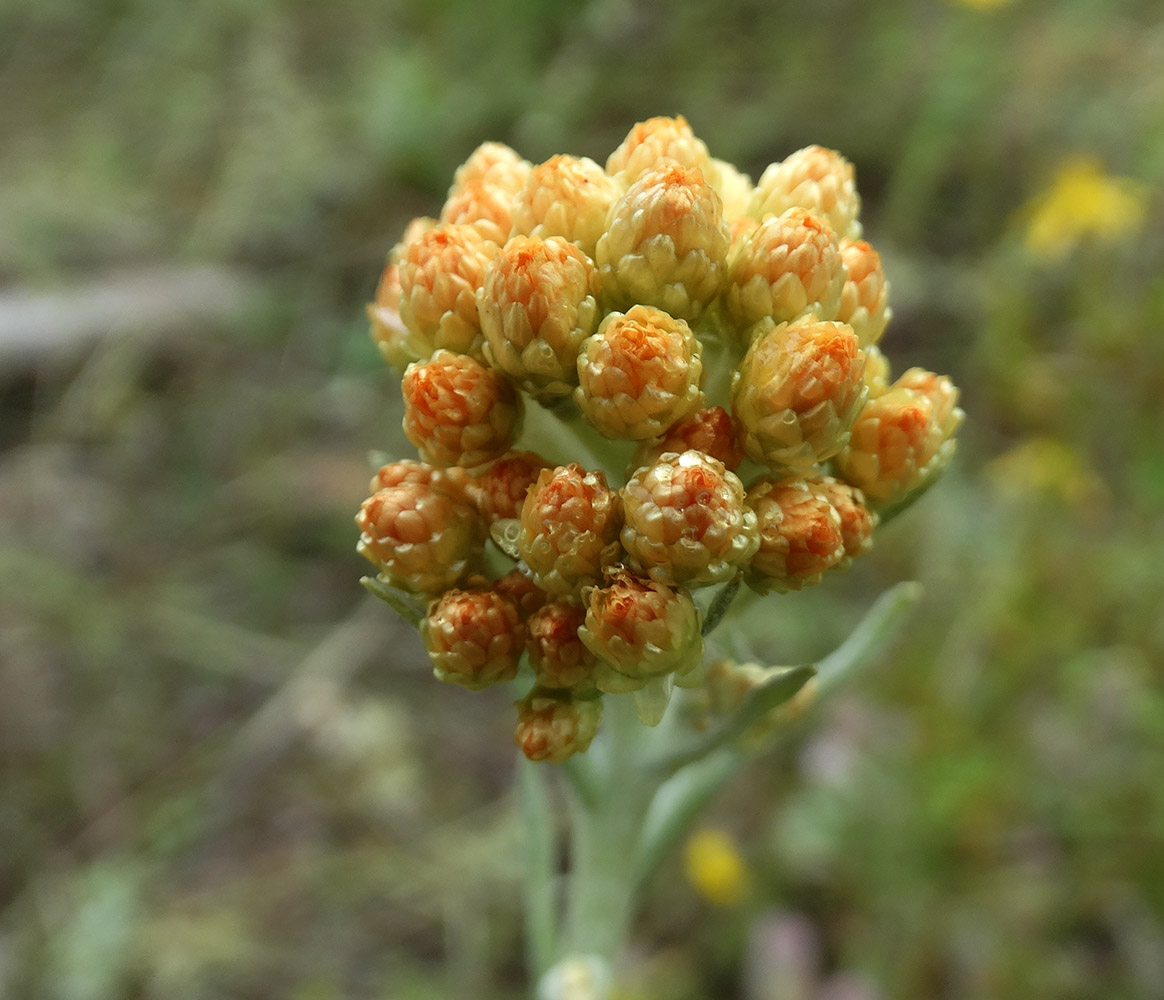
800 535
409 471
857 520
520 589
814 178
558 656
639 373
865 298
500 490
537 305
666 244
686 522
474 638
494 163
482 206
787 266
709 430
458 412
640 630
569 528
567 196
421 538
553 726
797 391
654 142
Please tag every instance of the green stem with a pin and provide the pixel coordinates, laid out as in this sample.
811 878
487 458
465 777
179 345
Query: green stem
538 835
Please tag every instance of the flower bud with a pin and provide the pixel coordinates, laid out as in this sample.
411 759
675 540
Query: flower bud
653 142
558 656
686 522
666 244
640 630
865 298
787 266
797 391
409 471
421 538
483 206
814 178
709 430
640 372
474 638
440 272
519 588
537 305
733 187
800 535
458 412
500 490
397 345
567 196
877 373
494 163
857 520
569 528
901 441
553 726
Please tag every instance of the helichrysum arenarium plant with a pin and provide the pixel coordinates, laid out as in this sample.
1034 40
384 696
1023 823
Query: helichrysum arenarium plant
634 389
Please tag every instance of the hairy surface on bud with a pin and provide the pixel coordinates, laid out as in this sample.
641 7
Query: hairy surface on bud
567 196
552 726
569 528
640 629
474 638
421 538
519 588
865 298
494 163
666 244
439 274
558 656
800 534
857 520
500 490
483 206
797 391
709 430
686 521
459 412
814 178
788 265
640 372
654 141
537 305
903 439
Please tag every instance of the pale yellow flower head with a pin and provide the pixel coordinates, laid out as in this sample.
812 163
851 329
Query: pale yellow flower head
1082 202
650 143
814 178
714 866
567 196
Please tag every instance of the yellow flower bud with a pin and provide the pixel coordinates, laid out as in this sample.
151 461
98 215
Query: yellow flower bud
567 196
814 178
800 534
865 298
655 141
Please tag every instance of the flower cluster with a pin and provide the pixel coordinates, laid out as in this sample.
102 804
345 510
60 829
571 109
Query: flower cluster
625 384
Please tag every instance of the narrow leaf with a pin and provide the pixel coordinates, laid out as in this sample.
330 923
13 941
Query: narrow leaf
394 598
720 604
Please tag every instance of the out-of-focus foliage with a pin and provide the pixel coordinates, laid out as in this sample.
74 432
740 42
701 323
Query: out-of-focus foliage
222 773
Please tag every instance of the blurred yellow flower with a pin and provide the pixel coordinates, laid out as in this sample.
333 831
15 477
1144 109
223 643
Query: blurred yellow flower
984 4
1082 201
1046 467
715 868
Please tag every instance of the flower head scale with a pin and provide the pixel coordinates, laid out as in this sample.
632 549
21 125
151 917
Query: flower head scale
474 638
569 529
439 274
640 630
686 521
559 658
499 491
800 534
666 243
422 538
814 178
653 142
640 372
537 304
458 412
567 196
797 391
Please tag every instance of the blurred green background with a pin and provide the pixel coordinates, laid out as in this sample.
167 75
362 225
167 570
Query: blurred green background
225 775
